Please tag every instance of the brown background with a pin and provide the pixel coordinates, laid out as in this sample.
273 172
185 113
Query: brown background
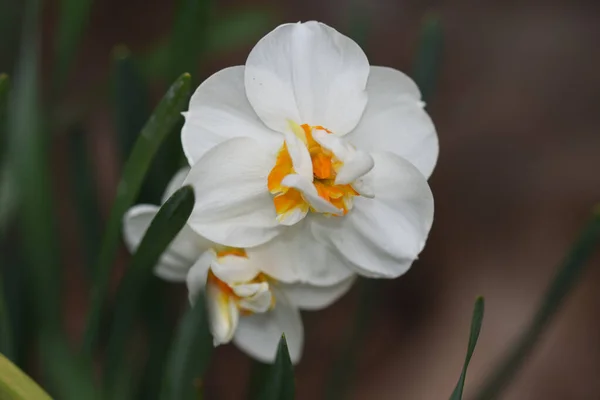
518 117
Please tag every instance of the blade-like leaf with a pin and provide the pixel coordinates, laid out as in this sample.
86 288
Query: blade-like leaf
188 39
279 383
84 195
476 321
189 356
562 284
73 18
131 100
237 28
160 322
5 324
16 385
4 86
5 190
29 160
167 223
223 34
428 58
164 118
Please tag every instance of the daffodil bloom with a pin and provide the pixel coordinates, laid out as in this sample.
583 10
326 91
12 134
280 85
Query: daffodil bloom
314 156
245 305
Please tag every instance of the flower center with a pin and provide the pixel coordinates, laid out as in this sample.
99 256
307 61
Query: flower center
250 296
325 166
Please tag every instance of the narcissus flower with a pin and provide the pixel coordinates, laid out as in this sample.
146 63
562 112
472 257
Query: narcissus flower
314 156
245 304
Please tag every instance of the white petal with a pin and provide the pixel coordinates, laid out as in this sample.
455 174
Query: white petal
233 205
219 110
250 289
223 314
175 183
310 297
382 236
295 256
394 120
356 163
309 193
308 73
259 302
183 251
293 216
300 156
234 269
258 334
197 275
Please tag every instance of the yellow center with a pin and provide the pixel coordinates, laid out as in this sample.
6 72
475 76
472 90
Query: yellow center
324 164
225 290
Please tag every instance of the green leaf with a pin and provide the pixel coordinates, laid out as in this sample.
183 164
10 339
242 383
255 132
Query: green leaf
476 321
6 346
360 22
16 385
279 383
4 86
28 158
167 223
236 29
562 284
188 39
223 34
84 196
159 321
131 100
73 18
69 376
162 121
428 58
189 356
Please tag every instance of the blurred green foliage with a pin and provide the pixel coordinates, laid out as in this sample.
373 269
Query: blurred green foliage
173 362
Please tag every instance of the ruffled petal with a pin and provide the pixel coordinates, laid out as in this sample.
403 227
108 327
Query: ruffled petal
223 314
233 206
295 256
382 236
219 110
308 73
258 334
310 297
394 120
234 269
259 302
310 194
197 276
181 254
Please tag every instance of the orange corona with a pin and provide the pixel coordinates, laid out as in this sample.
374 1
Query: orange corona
225 290
324 165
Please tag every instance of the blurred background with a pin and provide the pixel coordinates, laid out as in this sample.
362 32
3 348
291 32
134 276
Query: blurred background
516 105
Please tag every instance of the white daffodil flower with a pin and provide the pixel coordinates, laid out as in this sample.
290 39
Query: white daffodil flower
245 305
314 156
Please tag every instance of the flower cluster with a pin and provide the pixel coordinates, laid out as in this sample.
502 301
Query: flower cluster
309 167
